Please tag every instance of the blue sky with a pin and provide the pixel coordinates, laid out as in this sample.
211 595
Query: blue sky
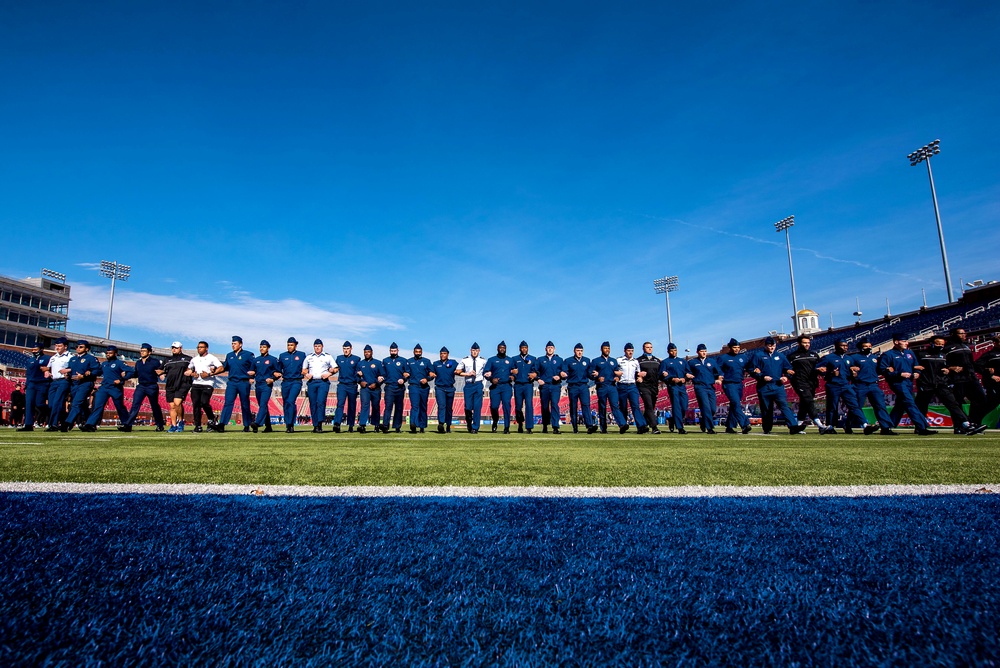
445 172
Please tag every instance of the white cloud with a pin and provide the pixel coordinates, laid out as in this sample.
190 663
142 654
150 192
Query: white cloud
194 317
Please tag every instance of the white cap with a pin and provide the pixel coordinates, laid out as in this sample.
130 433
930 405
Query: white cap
176 344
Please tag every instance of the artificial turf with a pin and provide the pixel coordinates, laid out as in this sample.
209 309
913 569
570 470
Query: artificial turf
492 460
234 581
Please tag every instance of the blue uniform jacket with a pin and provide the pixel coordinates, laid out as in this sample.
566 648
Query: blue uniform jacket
348 365
112 370
445 373
85 364
290 364
604 367
898 362
238 364
733 367
420 369
395 367
705 371
548 367
867 367
673 367
525 366
774 365
370 370
838 368
265 367
34 374
145 371
577 370
499 369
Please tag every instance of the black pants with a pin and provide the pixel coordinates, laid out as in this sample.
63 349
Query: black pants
807 403
201 398
947 397
648 394
973 392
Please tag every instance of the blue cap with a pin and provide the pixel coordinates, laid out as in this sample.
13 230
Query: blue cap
671 346
264 342
900 336
523 344
578 346
83 342
237 339
702 346
629 346
367 347
145 345
36 344
443 349
291 339
861 342
393 345
769 341
606 344
111 348
840 339
347 344
318 342
549 343
502 343
417 347
475 346
733 342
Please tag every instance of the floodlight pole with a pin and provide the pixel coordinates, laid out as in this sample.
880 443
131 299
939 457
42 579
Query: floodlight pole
923 154
114 271
666 285
783 225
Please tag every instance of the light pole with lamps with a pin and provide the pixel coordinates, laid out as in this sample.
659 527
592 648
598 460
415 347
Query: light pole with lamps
923 154
116 272
782 226
665 286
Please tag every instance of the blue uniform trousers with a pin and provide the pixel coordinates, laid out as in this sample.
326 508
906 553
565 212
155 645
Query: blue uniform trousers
234 389
706 402
150 393
445 399
607 395
873 394
836 393
371 400
35 396
905 403
500 397
770 395
628 397
550 394
117 397
473 393
419 395
58 391
290 390
524 404
346 393
318 390
79 406
263 394
678 404
737 418
579 402
393 406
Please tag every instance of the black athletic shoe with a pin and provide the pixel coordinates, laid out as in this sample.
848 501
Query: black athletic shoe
336 428
506 430
529 431
797 429
622 429
421 430
122 428
197 430
159 428
710 431
747 429
361 429
494 429
246 429
887 432
413 430
604 431
220 429
655 431
925 432
730 431
545 430
88 427
398 430
26 427
268 429
52 428
350 430
520 428
555 430
253 428
871 429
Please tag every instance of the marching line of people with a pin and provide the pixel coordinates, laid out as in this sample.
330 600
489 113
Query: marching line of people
77 387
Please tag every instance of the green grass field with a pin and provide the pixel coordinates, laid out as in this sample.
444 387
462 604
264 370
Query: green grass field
485 459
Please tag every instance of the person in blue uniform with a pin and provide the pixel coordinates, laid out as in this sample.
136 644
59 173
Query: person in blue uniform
347 388
239 365
113 374
704 374
371 375
673 373
317 369
397 370
421 372
771 369
444 389
84 369
605 372
36 387
498 373
147 372
864 369
266 370
628 389
471 369
836 370
550 377
290 367
733 364
57 371
525 374
897 366
576 372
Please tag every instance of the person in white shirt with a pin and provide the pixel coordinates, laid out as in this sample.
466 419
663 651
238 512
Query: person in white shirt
628 390
58 371
317 369
201 368
471 368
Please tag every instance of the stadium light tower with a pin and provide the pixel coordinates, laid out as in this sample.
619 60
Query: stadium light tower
664 286
116 272
782 226
923 154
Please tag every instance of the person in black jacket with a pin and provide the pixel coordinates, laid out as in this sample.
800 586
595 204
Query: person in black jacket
934 381
805 382
989 366
178 384
964 383
649 387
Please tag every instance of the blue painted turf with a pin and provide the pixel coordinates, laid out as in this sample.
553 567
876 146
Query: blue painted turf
125 580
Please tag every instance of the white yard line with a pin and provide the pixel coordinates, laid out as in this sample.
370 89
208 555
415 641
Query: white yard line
499 492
